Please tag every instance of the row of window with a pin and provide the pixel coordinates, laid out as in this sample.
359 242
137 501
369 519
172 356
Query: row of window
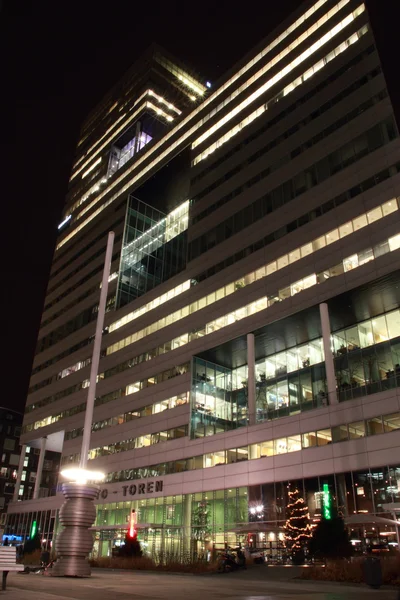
261 304
303 220
184 77
139 442
92 242
289 132
294 443
338 233
184 136
145 411
114 326
67 352
94 148
79 267
77 322
283 72
129 389
278 40
287 111
131 116
320 64
70 305
145 308
364 144
80 282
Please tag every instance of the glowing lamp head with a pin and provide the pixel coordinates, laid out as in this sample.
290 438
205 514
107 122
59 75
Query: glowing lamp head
78 475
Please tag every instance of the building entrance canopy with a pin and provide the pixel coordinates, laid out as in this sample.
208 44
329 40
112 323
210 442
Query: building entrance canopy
369 520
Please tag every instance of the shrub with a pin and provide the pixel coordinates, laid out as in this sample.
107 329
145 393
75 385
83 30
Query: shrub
32 558
330 539
130 548
165 563
32 544
351 571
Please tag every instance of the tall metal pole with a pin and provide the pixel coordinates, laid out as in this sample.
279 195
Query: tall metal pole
329 364
39 471
87 427
251 379
19 475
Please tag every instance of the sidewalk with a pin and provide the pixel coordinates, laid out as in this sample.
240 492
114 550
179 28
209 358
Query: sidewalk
137 585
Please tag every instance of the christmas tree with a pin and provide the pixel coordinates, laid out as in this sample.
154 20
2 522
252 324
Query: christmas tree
297 527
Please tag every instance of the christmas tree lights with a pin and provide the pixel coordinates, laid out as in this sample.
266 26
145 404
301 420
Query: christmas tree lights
297 527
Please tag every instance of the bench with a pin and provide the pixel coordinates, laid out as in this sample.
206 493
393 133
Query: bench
8 562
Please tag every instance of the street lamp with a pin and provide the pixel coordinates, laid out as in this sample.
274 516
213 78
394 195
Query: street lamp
78 513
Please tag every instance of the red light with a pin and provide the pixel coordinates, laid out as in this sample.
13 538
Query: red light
132 525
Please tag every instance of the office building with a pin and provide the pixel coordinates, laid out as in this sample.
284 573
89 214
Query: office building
252 332
28 485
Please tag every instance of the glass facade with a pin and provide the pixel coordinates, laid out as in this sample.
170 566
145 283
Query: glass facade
202 523
230 518
287 382
366 357
18 526
154 248
217 402
119 156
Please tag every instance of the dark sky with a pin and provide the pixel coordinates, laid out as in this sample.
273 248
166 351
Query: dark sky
58 57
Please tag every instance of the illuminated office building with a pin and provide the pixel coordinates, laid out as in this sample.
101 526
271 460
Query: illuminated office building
252 335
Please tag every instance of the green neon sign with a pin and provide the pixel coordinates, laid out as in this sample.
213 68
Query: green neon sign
33 529
327 511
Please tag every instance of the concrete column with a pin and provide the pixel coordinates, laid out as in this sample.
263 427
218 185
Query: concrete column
187 527
40 467
252 451
19 474
137 137
394 517
329 364
251 379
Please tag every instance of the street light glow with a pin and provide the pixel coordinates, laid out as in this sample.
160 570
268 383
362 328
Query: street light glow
82 475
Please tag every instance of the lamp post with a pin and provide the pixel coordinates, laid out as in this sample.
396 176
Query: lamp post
77 514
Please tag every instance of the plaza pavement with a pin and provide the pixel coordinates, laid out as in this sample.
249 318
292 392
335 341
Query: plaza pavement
137 585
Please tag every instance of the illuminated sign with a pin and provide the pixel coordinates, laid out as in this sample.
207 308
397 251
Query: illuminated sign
327 510
61 225
150 487
132 525
33 529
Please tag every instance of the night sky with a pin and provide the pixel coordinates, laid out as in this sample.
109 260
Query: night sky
57 60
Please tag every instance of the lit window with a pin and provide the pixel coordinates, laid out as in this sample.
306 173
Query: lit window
351 262
374 215
394 242
389 207
360 222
